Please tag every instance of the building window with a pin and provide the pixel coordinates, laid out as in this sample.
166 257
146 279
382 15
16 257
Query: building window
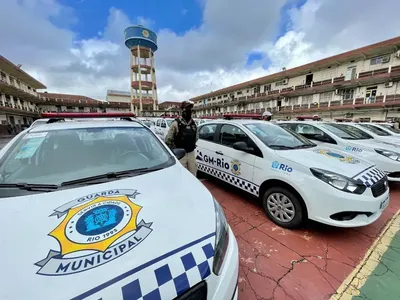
351 73
267 88
380 60
348 94
370 94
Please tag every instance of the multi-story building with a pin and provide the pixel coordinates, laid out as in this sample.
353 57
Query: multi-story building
18 96
362 83
52 102
21 103
170 105
125 97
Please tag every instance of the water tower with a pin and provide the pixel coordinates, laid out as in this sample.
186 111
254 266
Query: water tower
142 43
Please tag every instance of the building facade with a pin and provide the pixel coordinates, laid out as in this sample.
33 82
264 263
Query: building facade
21 102
19 97
362 83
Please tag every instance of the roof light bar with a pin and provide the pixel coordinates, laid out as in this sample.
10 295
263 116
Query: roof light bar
302 118
243 116
88 115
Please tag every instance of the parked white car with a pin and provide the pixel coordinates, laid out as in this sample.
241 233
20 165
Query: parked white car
162 127
388 127
346 137
90 210
294 178
377 133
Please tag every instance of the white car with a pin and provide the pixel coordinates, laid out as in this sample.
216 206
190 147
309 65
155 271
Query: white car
294 178
378 133
345 137
148 123
162 127
388 127
90 210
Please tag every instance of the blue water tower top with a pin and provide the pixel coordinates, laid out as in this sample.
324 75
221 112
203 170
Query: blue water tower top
140 36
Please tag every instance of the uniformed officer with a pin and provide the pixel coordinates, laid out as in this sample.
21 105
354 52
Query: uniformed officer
267 116
183 134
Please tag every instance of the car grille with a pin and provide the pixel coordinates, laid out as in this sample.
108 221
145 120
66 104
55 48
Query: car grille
198 292
380 187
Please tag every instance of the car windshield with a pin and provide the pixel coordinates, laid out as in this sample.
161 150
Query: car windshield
376 130
278 138
347 132
169 122
57 156
390 128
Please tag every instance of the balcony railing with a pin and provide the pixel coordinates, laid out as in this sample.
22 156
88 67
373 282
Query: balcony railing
357 103
384 75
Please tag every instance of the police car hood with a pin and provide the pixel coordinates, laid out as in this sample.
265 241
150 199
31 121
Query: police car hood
98 240
328 159
389 144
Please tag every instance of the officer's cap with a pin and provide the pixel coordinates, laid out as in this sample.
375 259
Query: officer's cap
187 104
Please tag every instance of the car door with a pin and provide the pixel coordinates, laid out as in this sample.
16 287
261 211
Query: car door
236 166
206 148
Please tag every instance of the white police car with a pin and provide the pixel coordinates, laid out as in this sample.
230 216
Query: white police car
91 210
388 127
378 133
348 138
294 178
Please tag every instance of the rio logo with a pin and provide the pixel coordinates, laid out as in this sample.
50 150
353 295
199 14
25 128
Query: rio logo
353 149
278 166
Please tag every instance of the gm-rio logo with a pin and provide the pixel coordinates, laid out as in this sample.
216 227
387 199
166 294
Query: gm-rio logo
278 166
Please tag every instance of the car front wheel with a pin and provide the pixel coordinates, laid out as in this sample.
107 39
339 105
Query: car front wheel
283 207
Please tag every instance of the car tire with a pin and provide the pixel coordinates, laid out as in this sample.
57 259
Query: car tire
284 196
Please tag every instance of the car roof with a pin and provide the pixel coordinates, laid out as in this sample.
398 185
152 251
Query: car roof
304 122
236 121
85 124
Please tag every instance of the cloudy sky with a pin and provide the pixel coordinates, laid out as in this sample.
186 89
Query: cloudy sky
76 46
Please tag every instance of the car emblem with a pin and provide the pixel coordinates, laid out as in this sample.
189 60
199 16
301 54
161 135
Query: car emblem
95 230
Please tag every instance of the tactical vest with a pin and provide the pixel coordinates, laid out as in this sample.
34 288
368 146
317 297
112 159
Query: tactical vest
186 137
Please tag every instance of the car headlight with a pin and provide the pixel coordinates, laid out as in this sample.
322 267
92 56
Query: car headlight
339 182
388 154
221 238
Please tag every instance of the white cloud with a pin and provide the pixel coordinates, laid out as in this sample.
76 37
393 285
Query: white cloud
203 59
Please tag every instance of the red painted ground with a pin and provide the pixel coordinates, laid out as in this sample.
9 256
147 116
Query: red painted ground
304 264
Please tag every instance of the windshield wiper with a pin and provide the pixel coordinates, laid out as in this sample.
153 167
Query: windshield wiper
280 147
304 146
110 175
29 186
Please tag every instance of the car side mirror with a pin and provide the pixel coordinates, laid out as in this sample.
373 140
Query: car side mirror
179 153
242 146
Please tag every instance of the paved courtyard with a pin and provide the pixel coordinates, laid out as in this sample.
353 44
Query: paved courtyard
308 264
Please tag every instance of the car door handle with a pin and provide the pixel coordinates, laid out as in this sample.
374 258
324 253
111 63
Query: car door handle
219 152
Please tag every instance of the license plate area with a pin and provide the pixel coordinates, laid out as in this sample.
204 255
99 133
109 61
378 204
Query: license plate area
384 203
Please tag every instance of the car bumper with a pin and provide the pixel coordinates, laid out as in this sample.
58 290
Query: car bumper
224 286
325 201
